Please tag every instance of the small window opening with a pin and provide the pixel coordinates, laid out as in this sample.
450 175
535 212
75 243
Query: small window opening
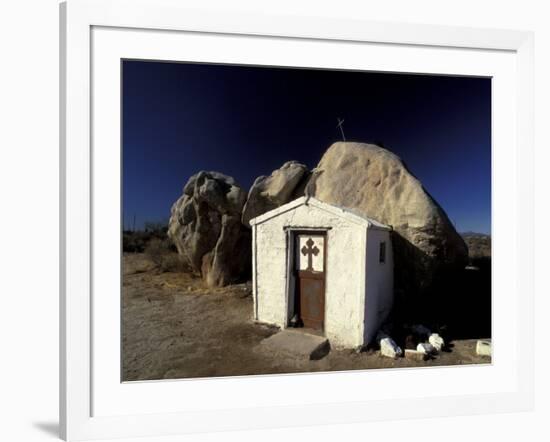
382 256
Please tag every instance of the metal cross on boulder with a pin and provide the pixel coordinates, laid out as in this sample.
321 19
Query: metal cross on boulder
340 125
310 251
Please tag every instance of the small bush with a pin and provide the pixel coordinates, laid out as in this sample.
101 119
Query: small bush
135 241
162 255
172 262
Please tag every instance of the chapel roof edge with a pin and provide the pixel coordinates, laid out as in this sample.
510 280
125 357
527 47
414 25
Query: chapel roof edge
350 214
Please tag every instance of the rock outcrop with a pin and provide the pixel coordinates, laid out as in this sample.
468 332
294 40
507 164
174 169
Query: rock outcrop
209 222
205 225
375 182
269 192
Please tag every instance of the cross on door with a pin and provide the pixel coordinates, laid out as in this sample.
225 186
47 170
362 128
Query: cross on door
310 251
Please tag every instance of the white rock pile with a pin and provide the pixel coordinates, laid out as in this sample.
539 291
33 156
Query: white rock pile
428 344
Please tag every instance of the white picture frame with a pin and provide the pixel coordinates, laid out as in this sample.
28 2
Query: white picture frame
83 386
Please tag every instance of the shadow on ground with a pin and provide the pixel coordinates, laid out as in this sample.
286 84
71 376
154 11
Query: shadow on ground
50 428
459 303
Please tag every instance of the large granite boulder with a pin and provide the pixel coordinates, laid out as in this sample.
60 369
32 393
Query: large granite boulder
376 182
269 192
205 225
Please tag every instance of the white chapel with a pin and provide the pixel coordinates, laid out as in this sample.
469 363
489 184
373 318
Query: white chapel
322 267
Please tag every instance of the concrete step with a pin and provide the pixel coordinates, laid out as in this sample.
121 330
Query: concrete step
296 344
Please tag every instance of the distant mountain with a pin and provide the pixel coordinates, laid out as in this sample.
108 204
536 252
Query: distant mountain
469 233
479 244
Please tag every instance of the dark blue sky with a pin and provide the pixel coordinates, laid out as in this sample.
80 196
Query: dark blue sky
179 118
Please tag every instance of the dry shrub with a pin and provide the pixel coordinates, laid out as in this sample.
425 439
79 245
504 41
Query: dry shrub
161 254
172 262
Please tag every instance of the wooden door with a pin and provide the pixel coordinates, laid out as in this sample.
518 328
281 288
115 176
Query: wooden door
310 287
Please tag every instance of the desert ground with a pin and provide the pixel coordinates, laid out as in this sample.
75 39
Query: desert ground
175 327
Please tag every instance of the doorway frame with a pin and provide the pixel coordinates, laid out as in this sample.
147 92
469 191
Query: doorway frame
291 233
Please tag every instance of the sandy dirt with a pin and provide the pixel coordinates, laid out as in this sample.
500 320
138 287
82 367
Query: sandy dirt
174 327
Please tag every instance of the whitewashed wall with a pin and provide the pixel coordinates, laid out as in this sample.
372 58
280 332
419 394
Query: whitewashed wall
379 282
346 259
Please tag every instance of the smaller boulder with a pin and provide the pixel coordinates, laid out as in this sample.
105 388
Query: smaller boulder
389 348
483 348
269 192
205 226
437 341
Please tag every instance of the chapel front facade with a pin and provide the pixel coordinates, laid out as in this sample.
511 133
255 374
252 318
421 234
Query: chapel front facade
322 267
